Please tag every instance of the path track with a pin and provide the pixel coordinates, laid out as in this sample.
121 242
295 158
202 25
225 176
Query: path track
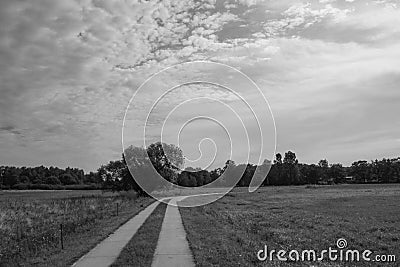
172 246
107 251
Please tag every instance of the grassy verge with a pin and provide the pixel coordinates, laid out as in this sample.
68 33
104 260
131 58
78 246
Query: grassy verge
30 233
140 249
232 230
81 243
35 195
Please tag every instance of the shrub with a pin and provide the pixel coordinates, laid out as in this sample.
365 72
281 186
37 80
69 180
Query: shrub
131 194
83 187
21 186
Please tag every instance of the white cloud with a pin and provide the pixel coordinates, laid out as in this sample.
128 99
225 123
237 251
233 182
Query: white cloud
69 68
74 62
250 2
379 24
302 15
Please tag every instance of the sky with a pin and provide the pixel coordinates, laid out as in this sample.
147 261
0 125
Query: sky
330 70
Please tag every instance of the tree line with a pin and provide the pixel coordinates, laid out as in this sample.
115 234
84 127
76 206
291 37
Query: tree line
47 178
167 160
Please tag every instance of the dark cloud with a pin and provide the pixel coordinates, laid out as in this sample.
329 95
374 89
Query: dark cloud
10 129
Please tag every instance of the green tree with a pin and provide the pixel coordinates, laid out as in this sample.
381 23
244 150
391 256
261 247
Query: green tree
337 173
167 159
24 179
361 171
147 164
309 173
10 179
52 180
67 179
323 170
291 172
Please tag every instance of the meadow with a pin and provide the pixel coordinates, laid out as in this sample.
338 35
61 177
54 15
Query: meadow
230 231
31 221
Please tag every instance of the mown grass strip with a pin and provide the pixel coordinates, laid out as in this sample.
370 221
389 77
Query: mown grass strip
140 249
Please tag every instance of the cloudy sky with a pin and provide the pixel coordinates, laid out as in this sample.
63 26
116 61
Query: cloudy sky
330 70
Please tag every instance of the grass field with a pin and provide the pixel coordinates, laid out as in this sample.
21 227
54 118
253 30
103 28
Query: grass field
228 232
15 195
232 230
30 224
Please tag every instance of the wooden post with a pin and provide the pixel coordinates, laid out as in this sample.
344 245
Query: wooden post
18 232
61 236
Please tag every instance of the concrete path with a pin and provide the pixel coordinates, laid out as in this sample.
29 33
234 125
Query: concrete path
172 247
107 251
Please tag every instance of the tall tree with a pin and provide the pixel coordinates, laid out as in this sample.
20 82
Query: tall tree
291 169
167 159
323 170
337 173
